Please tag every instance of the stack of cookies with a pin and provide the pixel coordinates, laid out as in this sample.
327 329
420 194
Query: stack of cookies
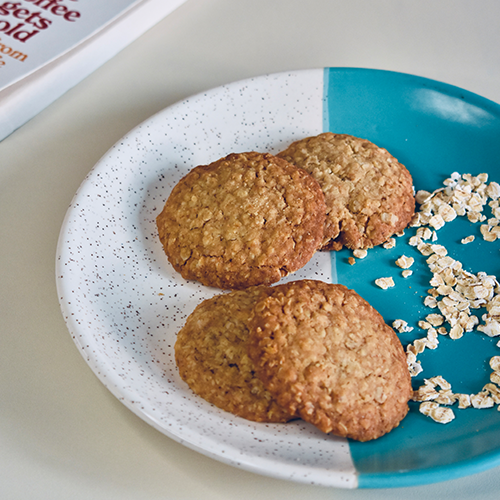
253 218
305 349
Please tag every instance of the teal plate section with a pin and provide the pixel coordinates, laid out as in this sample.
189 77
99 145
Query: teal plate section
434 129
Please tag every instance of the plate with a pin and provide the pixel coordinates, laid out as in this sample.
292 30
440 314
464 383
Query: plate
123 303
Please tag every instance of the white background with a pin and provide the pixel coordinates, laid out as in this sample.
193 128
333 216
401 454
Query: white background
62 434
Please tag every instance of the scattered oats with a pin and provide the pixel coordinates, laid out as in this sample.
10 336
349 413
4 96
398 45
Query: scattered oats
447 213
468 322
439 250
444 289
455 292
476 217
416 220
430 301
425 233
414 241
419 345
456 332
411 357
438 380
390 243
437 412
435 319
422 196
443 263
424 393
436 280
425 248
490 328
482 400
427 391
454 178
436 221
493 190
415 368
405 262
424 325
385 283
432 339
432 259
351 260
476 304
495 377
494 392
476 203
495 363
463 401
446 398
488 235
401 326
360 253
449 277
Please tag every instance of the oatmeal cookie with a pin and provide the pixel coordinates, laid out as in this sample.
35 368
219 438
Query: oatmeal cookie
368 193
211 354
326 355
244 220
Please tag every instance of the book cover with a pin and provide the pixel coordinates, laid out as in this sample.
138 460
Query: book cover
48 46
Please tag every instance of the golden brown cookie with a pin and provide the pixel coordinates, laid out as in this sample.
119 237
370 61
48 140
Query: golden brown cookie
368 193
211 354
325 354
246 219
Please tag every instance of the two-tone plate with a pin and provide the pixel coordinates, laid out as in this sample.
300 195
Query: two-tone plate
124 304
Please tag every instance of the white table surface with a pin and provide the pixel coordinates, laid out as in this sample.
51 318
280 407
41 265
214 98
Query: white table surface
62 434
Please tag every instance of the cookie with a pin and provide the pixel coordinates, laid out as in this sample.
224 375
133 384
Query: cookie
326 355
211 354
368 193
244 220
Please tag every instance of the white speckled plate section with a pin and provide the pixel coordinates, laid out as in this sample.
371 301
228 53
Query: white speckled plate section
124 304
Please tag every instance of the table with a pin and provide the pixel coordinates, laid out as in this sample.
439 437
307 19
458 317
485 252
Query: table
62 434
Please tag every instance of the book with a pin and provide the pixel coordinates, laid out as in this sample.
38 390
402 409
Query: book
48 46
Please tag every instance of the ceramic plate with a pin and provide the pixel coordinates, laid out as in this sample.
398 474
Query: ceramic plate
124 304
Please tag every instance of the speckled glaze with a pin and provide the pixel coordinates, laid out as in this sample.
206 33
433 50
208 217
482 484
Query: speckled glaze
124 304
